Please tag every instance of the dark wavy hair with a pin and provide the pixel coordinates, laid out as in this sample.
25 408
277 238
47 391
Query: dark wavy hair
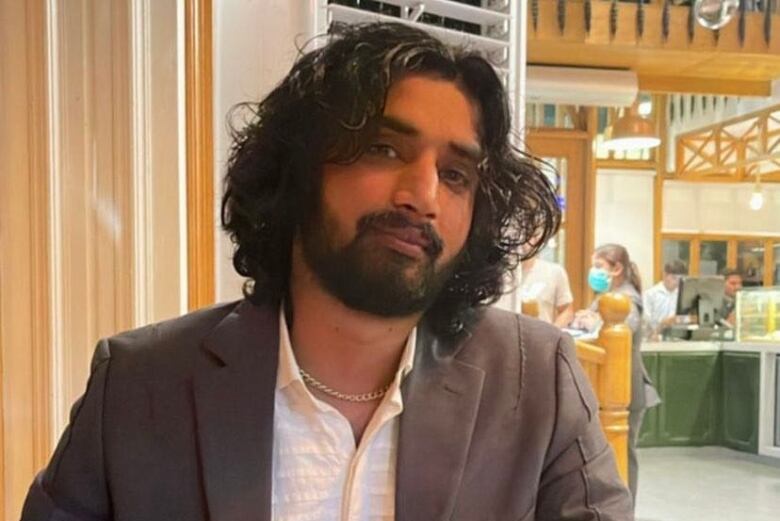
326 110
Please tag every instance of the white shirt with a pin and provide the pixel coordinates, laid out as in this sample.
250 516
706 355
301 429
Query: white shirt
659 303
318 472
548 284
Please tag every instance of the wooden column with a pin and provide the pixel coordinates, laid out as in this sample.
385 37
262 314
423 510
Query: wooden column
200 153
614 385
661 112
24 252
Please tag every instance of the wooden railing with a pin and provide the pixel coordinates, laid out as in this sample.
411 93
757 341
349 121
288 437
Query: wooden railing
662 43
607 362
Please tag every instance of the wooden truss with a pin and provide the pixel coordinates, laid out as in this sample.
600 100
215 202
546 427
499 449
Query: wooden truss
738 149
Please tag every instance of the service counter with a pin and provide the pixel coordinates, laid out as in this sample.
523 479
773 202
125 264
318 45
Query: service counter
714 393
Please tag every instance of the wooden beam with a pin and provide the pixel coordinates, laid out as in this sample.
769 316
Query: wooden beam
658 184
591 126
730 62
731 253
768 262
200 153
626 164
694 267
704 85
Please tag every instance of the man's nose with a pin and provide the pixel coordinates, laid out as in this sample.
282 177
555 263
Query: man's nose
417 188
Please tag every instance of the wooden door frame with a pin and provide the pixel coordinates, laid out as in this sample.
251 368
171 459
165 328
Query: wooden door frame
24 256
199 83
576 147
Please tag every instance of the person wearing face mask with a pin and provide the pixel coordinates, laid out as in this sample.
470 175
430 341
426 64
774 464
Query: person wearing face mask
613 271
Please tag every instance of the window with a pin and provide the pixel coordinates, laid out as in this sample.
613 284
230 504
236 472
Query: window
674 249
750 262
713 257
757 258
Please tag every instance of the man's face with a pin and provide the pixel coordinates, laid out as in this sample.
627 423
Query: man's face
733 284
392 225
671 281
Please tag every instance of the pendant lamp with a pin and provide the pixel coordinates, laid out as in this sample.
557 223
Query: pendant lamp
631 131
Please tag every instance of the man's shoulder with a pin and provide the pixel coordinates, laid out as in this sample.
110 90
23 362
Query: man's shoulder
174 337
657 289
503 330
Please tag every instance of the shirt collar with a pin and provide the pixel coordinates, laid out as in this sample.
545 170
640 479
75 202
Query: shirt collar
289 371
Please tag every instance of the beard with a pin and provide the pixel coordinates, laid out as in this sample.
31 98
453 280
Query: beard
367 276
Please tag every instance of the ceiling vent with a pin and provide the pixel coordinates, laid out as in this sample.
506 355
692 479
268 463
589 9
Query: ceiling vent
581 86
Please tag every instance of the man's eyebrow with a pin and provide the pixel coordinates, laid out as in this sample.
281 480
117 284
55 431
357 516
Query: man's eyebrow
465 150
398 125
470 152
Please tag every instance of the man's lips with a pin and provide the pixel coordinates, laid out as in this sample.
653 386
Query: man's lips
408 239
401 233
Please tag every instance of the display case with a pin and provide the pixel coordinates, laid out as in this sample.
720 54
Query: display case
758 314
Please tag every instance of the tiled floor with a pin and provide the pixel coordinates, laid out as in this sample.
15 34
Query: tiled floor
706 484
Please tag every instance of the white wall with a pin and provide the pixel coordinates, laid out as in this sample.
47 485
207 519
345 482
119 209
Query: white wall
624 215
719 208
254 47
624 211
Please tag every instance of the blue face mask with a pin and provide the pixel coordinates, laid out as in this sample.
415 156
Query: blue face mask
599 279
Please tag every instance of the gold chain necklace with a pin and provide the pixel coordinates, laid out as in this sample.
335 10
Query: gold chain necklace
364 397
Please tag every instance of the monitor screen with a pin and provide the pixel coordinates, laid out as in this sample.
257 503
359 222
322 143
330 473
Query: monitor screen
702 296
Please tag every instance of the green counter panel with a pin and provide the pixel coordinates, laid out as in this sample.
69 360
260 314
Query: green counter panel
648 435
689 384
741 400
709 398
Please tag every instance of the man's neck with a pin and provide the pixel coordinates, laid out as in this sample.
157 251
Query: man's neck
351 351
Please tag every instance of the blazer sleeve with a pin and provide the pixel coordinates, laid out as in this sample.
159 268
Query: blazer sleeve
73 486
580 479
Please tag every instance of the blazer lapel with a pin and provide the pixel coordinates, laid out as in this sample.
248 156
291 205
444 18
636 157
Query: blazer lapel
441 400
234 386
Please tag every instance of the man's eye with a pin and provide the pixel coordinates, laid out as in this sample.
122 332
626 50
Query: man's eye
383 150
455 177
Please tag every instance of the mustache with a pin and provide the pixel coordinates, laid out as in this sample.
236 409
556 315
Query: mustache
397 220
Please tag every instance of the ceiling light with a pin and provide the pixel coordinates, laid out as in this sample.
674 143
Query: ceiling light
645 108
757 197
631 132
714 14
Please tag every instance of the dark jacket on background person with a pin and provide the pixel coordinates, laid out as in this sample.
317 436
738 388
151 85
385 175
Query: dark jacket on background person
643 392
177 424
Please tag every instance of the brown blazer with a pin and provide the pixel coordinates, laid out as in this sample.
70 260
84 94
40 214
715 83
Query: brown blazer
177 424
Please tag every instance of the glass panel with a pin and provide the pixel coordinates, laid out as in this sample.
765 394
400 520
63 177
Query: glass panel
713 256
676 250
750 262
549 115
556 171
777 396
776 268
555 251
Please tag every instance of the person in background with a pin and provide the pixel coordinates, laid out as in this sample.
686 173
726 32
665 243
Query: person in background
733 284
613 271
548 284
660 301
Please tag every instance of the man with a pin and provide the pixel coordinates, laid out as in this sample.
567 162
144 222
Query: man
375 204
660 301
733 280
548 284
